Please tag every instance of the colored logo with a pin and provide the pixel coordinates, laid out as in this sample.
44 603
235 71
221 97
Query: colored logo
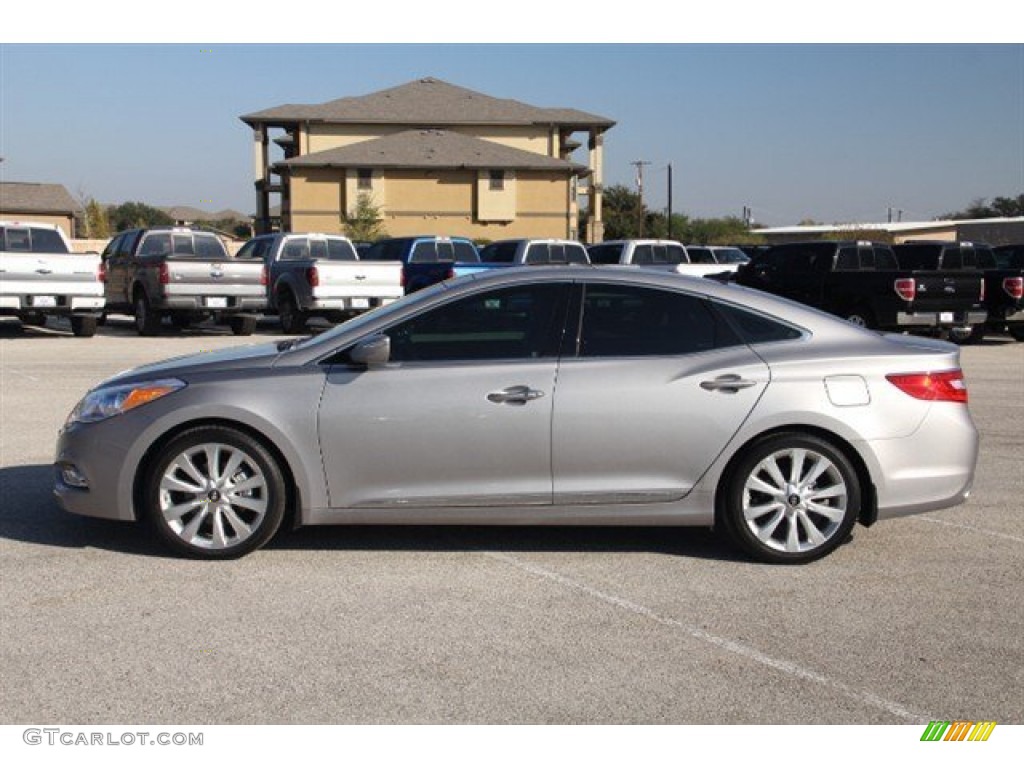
958 730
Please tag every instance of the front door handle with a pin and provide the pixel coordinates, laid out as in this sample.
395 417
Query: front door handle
518 395
730 383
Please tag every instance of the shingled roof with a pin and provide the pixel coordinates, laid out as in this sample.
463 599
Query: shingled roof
427 102
430 148
36 198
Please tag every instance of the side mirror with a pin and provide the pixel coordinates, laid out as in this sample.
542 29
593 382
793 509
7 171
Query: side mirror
376 350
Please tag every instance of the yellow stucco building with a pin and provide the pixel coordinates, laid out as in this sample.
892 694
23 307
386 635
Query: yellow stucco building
433 158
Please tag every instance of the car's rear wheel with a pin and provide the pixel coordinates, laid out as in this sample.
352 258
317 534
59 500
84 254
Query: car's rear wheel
790 498
215 493
861 317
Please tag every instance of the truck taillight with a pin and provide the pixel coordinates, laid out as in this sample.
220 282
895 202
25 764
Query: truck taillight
101 272
905 288
450 273
1014 286
313 276
264 277
944 386
165 274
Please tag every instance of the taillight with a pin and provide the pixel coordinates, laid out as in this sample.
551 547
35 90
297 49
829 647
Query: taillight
313 276
450 273
1014 286
264 278
905 288
101 272
946 386
165 274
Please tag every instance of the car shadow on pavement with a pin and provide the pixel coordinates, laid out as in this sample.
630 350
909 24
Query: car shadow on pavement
28 513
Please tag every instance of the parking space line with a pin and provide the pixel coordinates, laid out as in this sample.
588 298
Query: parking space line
731 646
973 529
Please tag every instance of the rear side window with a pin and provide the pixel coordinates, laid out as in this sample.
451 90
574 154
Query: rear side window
757 329
606 253
701 256
17 239
426 251
633 321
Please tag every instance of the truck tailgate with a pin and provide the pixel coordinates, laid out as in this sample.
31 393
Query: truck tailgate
938 291
194 277
357 279
50 274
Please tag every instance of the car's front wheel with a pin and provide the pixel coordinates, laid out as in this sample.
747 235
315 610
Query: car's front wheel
790 498
215 493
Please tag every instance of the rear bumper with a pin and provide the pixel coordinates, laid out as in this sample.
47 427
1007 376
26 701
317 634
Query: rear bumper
349 303
940 319
230 305
60 305
931 469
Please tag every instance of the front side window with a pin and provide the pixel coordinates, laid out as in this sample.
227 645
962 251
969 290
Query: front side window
633 321
700 256
520 323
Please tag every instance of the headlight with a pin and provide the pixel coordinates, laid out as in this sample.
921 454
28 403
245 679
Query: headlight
110 401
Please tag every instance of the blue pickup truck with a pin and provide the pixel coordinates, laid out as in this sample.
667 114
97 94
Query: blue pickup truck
426 260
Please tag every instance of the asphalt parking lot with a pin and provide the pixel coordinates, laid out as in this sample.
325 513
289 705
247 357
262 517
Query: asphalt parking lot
913 620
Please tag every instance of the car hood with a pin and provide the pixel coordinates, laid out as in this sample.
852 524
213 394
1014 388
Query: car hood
232 358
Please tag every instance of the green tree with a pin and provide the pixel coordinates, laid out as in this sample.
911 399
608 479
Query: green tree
980 209
97 223
365 224
129 215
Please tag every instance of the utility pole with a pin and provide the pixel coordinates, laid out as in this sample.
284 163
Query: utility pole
640 190
670 201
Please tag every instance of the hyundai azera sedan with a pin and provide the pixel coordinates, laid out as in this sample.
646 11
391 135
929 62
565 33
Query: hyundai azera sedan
567 396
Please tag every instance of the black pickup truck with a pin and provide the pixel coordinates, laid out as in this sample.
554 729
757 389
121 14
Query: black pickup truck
1004 285
863 282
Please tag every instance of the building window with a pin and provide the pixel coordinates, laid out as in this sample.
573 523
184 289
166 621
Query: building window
365 179
497 180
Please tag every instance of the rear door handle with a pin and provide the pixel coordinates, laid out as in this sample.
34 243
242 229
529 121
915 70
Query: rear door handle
518 395
730 383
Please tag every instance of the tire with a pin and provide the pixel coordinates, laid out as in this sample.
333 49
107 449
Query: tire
243 325
861 317
84 325
790 498
1016 331
293 320
147 322
977 334
214 493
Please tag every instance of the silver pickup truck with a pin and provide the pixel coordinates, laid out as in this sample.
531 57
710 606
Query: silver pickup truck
183 274
665 255
316 275
41 278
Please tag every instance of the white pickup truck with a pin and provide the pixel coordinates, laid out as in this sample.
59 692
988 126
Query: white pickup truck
666 255
317 275
40 277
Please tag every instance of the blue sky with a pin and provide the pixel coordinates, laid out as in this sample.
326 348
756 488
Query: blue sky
827 132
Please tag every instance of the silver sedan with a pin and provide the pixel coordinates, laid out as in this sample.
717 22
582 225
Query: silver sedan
569 396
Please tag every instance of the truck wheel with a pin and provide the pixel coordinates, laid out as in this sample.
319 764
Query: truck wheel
861 317
147 322
84 325
292 319
242 325
1016 331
